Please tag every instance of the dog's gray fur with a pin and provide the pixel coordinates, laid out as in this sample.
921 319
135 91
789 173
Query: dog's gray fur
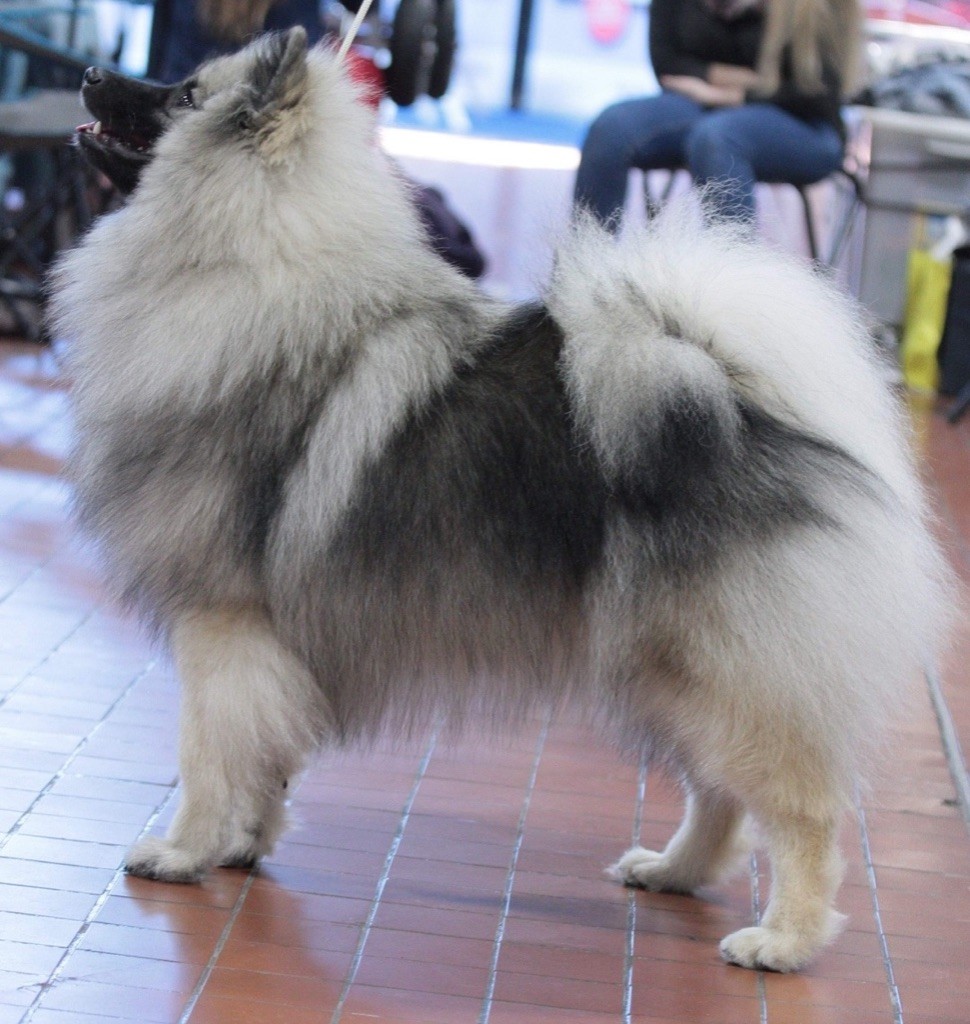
354 494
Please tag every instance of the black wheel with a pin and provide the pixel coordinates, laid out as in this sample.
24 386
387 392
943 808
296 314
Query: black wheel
446 43
413 50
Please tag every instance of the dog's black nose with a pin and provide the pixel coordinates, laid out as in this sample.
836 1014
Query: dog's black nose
93 76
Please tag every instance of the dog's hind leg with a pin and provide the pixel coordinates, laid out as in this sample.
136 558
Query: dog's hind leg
707 845
799 919
247 724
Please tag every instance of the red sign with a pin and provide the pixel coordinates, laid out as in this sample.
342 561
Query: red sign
607 19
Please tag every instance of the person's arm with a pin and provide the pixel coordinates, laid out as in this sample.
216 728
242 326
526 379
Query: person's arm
666 52
732 76
702 92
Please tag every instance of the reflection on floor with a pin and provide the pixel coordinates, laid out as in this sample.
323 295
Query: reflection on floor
431 884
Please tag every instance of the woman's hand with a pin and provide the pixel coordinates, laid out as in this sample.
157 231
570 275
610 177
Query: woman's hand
732 75
703 92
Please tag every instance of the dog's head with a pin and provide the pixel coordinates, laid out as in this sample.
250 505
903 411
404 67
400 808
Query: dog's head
252 98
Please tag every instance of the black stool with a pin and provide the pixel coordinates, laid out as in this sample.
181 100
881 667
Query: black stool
845 180
53 212
51 205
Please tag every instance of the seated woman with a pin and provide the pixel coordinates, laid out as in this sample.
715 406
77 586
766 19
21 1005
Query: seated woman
751 91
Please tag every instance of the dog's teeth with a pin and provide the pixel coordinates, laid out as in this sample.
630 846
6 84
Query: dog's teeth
96 130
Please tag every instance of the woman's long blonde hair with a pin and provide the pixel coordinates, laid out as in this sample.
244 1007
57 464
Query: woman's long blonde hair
814 32
232 22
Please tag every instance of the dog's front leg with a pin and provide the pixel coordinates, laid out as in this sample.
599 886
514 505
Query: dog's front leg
249 717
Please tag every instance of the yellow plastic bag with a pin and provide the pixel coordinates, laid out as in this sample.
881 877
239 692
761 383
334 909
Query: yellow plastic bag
927 288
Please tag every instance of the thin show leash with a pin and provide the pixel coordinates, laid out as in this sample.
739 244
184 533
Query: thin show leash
354 28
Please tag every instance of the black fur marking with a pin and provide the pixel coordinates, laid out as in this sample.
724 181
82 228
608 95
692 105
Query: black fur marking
697 496
248 439
492 464
495 462
678 459
273 83
489 488
279 61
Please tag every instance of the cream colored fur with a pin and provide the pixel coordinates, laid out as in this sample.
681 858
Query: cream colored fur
765 673
250 717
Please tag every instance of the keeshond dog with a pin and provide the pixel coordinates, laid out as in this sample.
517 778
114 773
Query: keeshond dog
357 496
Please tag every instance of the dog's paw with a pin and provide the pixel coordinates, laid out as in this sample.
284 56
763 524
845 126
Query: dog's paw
648 869
764 949
770 949
246 852
249 845
162 861
240 861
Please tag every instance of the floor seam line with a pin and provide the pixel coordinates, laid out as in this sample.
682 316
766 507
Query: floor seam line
78 750
756 910
382 882
631 913
89 919
894 998
950 740
489 996
220 945
69 635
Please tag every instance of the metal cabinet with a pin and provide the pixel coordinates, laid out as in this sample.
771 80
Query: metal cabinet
915 166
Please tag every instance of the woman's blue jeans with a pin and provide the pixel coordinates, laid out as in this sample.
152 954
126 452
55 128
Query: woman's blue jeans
730 147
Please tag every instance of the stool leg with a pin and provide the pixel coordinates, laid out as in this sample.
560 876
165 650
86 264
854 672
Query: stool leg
960 405
653 206
841 232
809 222
853 202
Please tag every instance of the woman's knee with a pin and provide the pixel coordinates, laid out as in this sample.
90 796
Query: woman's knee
711 150
716 157
609 134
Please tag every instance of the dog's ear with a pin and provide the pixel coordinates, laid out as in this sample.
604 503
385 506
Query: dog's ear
272 111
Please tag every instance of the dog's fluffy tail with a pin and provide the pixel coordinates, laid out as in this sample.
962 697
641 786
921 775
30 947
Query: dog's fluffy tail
674 328
733 399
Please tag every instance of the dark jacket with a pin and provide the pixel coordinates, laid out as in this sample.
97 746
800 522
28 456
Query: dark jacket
686 38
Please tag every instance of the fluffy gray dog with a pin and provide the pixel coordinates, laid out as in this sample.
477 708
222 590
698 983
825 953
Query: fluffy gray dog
354 494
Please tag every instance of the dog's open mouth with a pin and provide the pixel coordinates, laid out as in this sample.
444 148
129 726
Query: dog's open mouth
107 137
129 116
120 157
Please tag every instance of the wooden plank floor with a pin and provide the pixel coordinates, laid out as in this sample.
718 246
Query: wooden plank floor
438 883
